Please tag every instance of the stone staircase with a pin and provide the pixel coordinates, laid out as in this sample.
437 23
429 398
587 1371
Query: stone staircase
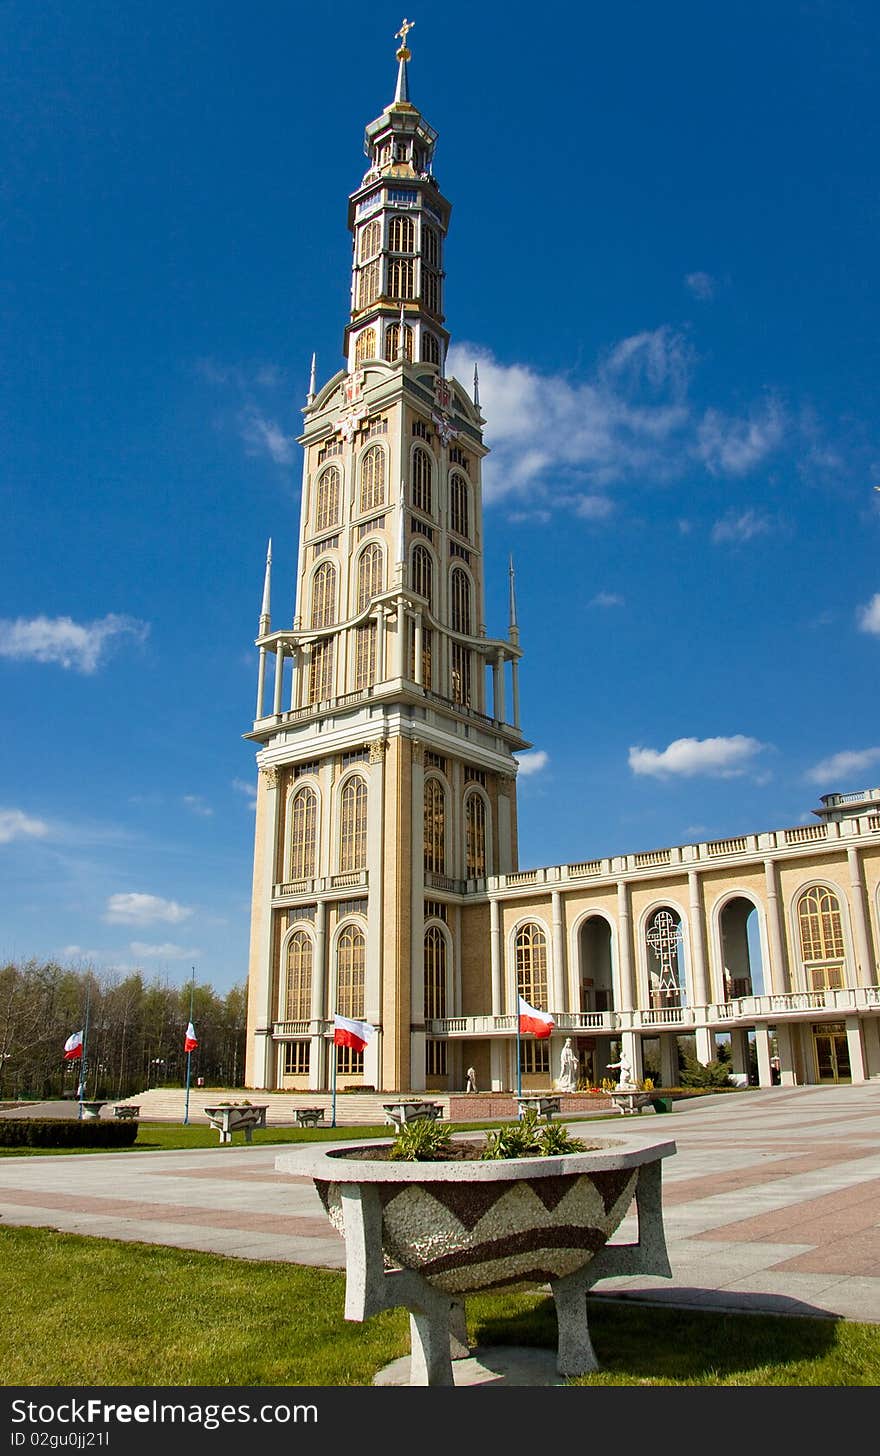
353 1109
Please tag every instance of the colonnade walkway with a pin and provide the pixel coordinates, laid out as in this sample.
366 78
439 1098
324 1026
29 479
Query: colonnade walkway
771 1202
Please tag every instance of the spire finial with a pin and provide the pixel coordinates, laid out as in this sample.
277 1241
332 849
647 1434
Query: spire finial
311 394
513 631
403 55
476 387
265 610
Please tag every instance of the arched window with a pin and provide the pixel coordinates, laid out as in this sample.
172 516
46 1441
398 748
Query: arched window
531 965
327 498
298 989
430 291
663 939
366 346
392 342
353 826
461 602
435 827
321 671
401 237
475 836
435 973
369 575
303 828
368 283
373 478
370 240
401 277
430 247
422 480
350 972
423 573
821 934
430 349
459 515
324 595
365 656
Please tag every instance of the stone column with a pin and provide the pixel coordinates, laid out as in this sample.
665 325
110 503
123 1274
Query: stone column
699 974
785 1034
380 644
317 1067
498 708
375 872
495 958
514 682
625 958
261 682
279 677
261 1059
780 980
560 1000
864 957
402 639
857 1059
418 650
762 1047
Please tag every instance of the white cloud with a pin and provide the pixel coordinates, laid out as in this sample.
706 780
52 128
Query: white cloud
741 528
730 445
607 599
138 909
196 805
687 757
869 616
244 786
166 951
263 436
844 765
77 645
14 824
701 285
532 763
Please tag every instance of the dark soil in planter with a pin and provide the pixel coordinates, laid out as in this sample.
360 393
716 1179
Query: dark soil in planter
463 1152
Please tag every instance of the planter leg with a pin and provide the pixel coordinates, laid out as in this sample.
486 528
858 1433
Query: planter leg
458 1345
575 1353
430 1358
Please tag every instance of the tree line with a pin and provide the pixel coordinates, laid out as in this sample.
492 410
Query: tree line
135 1032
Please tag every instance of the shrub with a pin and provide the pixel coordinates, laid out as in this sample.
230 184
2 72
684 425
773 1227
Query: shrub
421 1141
529 1139
704 1074
63 1132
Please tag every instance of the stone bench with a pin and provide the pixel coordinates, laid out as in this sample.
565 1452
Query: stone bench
228 1120
308 1116
629 1103
127 1110
398 1114
544 1106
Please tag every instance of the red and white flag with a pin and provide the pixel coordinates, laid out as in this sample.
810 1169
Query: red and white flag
354 1034
73 1047
190 1041
533 1022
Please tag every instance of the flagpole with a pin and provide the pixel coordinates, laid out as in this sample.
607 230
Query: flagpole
518 1058
82 1065
189 1054
333 1083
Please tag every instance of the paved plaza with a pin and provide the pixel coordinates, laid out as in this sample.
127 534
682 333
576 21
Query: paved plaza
771 1203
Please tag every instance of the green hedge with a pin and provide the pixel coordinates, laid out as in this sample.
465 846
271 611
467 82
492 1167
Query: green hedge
63 1132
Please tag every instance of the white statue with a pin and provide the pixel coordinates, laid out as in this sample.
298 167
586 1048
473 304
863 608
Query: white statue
568 1068
471 1080
625 1082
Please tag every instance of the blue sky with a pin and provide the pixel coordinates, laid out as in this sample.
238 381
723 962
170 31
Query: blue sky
663 253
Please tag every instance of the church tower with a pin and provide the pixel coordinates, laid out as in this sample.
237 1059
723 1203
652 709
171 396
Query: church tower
386 717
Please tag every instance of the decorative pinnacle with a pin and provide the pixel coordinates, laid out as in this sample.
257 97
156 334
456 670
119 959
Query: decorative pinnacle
265 618
311 394
513 629
401 93
404 54
476 387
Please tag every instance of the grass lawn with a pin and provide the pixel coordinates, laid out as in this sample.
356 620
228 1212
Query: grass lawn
103 1312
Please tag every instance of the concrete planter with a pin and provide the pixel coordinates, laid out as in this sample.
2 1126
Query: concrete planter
425 1235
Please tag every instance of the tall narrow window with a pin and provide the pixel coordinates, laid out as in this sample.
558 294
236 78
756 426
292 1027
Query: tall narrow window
298 991
821 933
368 283
370 240
475 836
327 498
459 515
350 972
353 826
430 291
303 825
392 343
324 595
321 671
401 237
369 575
461 602
423 573
373 478
435 973
365 656
401 279
531 965
430 246
461 675
430 351
366 346
422 480
435 827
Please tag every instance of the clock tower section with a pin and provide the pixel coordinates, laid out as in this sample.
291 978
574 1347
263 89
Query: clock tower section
387 719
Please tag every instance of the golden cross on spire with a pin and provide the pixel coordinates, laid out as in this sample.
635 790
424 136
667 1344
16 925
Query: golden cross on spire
404 53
